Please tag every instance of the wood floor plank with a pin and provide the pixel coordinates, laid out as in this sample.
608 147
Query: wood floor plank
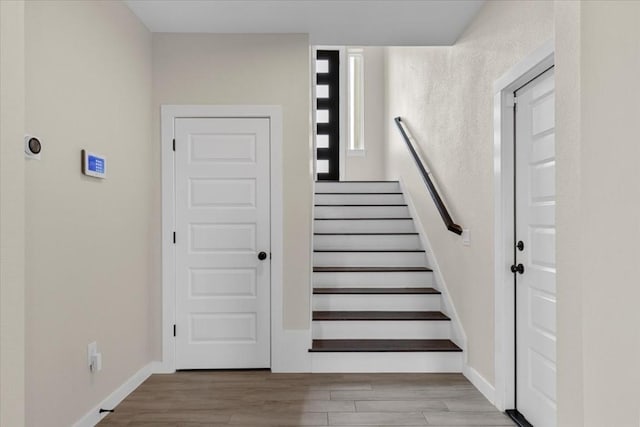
401 405
468 419
311 406
263 399
273 418
378 419
479 404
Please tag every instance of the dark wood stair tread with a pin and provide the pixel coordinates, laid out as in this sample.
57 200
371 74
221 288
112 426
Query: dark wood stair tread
369 192
368 269
349 182
384 346
375 291
379 315
363 219
369 250
362 205
367 234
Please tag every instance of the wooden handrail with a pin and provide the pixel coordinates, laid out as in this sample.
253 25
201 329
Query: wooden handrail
426 176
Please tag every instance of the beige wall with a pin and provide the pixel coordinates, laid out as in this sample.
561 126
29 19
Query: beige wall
445 96
247 69
371 165
88 242
598 51
568 210
12 281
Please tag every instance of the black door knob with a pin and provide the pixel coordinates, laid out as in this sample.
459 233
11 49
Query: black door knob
262 256
520 246
517 268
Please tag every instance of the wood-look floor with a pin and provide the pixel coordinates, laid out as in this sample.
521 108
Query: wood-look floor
260 398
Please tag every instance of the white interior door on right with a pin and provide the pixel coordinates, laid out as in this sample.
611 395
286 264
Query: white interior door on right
536 256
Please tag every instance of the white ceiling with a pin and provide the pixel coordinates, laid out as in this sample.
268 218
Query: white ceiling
328 22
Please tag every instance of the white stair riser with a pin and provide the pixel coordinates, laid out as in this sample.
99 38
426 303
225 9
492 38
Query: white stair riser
359 199
358 302
381 329
364 226
367 241
357 187
369 259
401 279
361 212
386 362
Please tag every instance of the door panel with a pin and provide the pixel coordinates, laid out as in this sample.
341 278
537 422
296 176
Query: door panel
535 226
222 222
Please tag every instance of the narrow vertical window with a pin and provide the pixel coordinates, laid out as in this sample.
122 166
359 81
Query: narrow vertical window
356 100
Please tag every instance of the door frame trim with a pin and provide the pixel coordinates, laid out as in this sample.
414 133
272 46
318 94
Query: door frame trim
169 113
503 162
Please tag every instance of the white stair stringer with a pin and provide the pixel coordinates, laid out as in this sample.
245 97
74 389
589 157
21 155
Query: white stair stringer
371 277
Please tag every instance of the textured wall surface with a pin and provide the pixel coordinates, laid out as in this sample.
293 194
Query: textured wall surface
88 86
445 96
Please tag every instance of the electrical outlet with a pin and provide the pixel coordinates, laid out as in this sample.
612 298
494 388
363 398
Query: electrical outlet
92 350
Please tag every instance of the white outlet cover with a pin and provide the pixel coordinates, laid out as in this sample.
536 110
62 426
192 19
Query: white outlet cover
92 349
466 237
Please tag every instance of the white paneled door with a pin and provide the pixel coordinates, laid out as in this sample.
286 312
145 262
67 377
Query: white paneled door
536 255
222 226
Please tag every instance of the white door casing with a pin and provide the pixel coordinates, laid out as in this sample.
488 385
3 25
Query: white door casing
222 219
535 226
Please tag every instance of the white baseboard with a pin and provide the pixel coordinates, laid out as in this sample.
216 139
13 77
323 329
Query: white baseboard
91 418
290 351
480 383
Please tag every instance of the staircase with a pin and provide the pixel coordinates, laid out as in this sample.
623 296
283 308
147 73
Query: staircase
375 308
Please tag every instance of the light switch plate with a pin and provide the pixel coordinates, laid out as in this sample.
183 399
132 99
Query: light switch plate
92 349
466 237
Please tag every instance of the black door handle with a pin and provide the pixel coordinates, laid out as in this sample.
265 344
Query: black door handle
517 268
262 256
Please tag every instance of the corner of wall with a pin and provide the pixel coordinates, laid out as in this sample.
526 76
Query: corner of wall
12 209
457 331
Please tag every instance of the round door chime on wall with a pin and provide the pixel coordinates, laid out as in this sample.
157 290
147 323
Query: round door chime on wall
32 147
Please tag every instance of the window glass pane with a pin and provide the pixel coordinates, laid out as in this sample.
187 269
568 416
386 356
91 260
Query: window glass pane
322 91
322 66
322 141
322 116
356 88
322 166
